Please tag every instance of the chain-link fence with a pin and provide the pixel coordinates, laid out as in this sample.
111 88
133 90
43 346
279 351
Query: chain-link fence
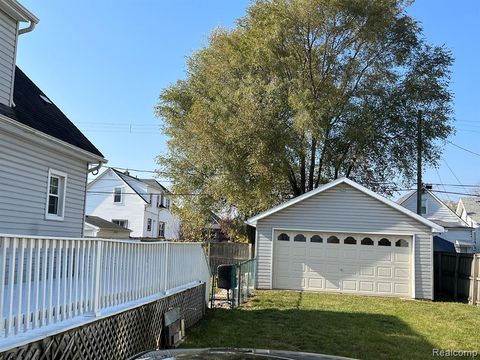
233 284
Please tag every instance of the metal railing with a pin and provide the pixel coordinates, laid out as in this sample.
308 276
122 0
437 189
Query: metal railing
46 281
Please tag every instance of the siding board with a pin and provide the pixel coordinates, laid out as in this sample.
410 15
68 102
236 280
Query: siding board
8 43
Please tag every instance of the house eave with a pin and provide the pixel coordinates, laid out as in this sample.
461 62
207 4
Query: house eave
16 128
17 11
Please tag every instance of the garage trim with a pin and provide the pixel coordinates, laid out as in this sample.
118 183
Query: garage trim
410 235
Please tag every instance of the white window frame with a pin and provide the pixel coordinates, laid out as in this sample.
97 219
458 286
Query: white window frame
161 227
122 197
149 224
62 195
118 220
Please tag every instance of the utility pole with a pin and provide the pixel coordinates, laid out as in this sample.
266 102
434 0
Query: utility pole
419 162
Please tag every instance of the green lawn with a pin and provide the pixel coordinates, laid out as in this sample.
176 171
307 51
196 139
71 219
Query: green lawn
353 326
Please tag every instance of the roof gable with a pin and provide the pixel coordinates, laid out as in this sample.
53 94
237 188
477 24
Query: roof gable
472 207
32 110
390 203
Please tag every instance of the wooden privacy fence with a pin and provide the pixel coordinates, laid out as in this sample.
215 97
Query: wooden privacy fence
227 253
47 281
457 277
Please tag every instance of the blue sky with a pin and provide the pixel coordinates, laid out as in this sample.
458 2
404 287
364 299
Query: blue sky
104 64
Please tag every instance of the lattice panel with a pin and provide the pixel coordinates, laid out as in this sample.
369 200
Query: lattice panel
116 337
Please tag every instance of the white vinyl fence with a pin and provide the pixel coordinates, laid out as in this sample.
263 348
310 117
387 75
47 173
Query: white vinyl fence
49 280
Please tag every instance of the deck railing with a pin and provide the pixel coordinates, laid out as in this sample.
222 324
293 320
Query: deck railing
46 281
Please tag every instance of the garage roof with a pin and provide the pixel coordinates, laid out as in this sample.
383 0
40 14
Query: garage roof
435 228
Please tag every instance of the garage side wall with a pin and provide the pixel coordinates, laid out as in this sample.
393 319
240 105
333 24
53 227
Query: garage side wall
346 209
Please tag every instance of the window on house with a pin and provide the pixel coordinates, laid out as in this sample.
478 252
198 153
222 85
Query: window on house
150 200
153 227
300 238
122 223
333 240
283 237
384 242
161 229
367 241
117 195
167 203
149 224
424 205
316 239
57 184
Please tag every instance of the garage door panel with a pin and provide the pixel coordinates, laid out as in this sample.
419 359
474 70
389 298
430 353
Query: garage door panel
366 268
384 272
349 285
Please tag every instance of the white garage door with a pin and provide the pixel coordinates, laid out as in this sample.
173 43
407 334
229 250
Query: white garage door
357 263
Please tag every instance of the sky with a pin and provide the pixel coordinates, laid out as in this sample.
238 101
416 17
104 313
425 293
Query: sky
104 63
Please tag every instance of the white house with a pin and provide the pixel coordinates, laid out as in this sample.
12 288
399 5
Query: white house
343 237
141 205
457 230
44 158
468 208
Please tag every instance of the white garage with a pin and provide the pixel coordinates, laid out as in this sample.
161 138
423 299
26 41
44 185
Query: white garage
343 237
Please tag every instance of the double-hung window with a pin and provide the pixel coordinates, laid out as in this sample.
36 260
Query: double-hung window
161 229
122 223
149 224
56 190
117 195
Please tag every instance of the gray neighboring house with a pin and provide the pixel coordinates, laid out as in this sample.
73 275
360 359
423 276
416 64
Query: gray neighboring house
100 228
457 231
343 237
44 158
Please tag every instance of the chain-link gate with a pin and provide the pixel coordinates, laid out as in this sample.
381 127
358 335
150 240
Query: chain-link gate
233 284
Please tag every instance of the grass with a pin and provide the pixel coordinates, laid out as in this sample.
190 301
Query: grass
353 326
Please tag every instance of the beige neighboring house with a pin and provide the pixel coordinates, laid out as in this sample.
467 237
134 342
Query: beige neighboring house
97 227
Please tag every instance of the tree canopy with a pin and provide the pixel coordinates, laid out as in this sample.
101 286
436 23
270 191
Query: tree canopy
301 92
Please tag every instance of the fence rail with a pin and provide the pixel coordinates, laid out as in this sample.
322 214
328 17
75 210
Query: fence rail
49 280
221 253
457 277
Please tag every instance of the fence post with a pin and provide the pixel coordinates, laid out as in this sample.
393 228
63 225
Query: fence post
97 277
474 283
165 269
455 283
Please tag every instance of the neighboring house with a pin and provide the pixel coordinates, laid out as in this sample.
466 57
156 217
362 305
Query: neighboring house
468 208
343 237
101 228
44 158
457 230
141 205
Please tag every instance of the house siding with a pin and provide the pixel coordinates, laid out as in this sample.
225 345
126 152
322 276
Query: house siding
8 41
23 186
346 209
100 203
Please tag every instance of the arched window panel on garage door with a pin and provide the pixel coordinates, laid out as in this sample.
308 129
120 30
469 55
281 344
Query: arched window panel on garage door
333 240
316 239
384 242
283 237
401 243
300 238
350 241
366 241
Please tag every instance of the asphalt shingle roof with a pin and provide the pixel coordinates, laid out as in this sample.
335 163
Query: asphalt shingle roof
472 207
103 224
31 110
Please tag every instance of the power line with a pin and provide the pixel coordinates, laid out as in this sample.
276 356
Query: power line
455 193
464 149
438 174
455 176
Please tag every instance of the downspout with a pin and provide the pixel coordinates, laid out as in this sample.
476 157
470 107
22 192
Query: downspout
28 28
95 169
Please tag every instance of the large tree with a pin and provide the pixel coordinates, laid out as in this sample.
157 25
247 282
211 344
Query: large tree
301 92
